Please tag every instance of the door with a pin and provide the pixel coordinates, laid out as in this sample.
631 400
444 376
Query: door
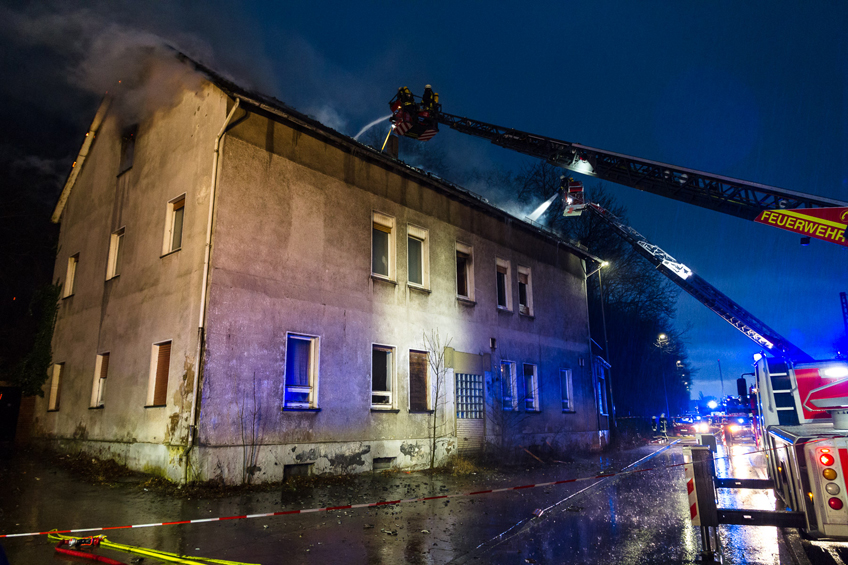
470 409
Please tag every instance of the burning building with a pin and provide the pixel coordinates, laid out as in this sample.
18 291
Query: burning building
247 293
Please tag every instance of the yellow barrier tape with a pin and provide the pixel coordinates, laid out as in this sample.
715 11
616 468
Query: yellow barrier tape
155 553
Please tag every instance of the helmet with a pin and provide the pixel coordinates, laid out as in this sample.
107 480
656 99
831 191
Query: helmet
427 86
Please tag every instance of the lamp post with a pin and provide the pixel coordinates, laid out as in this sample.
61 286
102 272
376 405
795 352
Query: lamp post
662 344
612 425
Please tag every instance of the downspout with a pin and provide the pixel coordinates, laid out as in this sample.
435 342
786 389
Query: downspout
202 319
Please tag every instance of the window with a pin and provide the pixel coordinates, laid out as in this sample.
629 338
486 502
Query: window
419 383
160 366
101 369
116 251
382 376
525 291
504 283
509 382
55 382
464 272
418 256
174 225
531 388
301 372
567 390
127 148
70 275
602 393
382 246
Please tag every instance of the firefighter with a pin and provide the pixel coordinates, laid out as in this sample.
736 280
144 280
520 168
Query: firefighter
430 99
406 99
663 427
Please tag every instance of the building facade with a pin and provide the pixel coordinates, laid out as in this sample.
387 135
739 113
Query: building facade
249 294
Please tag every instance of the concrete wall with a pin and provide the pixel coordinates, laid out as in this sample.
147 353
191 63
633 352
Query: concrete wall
155 298
292 253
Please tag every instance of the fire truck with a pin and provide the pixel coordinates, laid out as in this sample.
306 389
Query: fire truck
802 402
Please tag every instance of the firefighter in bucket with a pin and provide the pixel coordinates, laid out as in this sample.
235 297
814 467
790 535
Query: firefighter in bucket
413 119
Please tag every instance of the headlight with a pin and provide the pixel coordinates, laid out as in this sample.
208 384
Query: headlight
703 428
734 428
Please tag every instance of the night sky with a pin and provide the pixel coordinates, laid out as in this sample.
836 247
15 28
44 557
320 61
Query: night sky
753 90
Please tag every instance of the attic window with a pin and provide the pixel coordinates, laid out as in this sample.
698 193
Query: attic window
127 148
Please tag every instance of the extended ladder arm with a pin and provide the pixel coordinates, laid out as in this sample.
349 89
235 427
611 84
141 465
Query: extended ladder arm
736 197
704 292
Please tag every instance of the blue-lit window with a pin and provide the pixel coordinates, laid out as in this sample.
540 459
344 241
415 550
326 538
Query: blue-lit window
301 389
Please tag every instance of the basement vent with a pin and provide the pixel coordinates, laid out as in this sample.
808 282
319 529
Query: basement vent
297 470
383 463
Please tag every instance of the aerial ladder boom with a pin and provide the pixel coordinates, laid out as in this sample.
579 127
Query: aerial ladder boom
702 291
740 198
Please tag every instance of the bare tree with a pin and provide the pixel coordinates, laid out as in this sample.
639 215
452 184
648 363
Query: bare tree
249 421
436 347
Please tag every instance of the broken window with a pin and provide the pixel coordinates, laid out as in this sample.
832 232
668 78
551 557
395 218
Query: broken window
301 378
55 382
509 382
567 390
101 369
531 388
174 225
419 383
127 148
504 284
382 376
525 291
160 367
116 251
382 246
464 272
418 256
70 276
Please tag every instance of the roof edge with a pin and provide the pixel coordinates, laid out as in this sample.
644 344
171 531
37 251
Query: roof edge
80 160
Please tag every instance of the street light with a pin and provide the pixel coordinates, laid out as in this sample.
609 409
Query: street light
662 344
603 264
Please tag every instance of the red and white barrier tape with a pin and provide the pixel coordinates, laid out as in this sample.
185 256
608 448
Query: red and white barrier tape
331 508
351 506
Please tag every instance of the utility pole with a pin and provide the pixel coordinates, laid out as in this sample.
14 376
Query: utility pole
720 376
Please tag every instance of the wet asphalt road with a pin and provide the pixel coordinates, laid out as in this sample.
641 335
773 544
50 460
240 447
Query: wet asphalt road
636 518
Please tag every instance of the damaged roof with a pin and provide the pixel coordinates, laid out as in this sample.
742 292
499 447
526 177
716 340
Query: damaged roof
275 108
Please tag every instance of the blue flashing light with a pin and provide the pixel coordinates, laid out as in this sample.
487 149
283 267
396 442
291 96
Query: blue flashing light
741 420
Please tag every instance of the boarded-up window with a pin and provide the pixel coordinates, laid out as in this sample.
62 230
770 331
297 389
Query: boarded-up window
70 275
418 381
116 252
101 369
161 363
55 382
301 371
381 376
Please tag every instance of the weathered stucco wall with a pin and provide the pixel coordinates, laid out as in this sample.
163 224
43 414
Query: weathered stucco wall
292 253
155 298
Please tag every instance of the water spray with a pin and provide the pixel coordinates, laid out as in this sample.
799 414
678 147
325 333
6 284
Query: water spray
369 126
537 213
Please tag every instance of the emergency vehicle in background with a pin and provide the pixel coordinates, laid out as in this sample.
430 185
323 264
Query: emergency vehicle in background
802 403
